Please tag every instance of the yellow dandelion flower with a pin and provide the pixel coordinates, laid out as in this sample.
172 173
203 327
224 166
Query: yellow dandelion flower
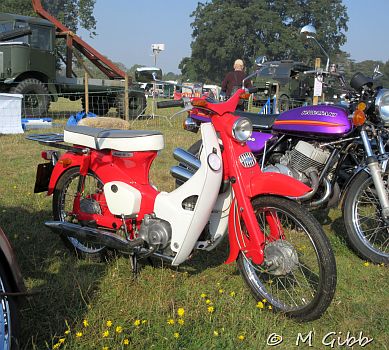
260 305
126 341
264 301
180 312
106 333
144 321
366 263
208 301
170 321
15 187
181 321
105 347
79 334
137 323
85 323
176 335
215 333
67 331
221 291
211 309
241 337
218 284
56 346
270 307
232 294
118 329
61 340
203 295
109 323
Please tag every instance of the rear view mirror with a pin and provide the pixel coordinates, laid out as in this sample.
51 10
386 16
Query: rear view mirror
308 31
147 74
260 60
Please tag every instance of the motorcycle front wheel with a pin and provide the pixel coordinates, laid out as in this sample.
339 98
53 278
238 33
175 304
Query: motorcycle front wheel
64 196
298 276
9 326
367 231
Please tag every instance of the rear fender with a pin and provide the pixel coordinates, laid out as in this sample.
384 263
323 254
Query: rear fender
60 168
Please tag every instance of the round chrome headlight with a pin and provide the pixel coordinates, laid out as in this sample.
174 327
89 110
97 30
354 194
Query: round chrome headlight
382 105
242 129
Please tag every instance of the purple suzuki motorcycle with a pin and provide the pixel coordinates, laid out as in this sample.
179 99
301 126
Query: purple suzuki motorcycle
339 152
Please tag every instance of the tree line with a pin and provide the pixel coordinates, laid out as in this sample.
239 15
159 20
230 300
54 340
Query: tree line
224 30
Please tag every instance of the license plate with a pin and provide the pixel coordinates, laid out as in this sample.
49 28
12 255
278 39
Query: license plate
43 174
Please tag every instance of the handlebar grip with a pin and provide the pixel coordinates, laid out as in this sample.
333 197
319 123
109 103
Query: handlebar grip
170 104
253 90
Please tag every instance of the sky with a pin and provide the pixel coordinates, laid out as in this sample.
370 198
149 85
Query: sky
127 29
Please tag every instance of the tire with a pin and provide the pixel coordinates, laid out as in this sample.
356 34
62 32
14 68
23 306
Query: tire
67 187
303 284
36 97
136 102
370 238
98 104
9 320
284 103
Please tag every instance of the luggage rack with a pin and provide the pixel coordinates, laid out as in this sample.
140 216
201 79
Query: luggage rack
56 141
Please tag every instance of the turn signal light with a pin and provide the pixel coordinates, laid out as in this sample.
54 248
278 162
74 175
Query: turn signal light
244 96
361 106
199 103
65 162
359 118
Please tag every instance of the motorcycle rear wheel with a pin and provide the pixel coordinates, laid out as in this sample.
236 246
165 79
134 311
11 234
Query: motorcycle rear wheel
367 231
303 285
63 199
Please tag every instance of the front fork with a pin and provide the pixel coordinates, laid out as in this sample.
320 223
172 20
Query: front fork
375 172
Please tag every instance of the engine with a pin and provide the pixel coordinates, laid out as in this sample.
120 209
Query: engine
300 161
156 232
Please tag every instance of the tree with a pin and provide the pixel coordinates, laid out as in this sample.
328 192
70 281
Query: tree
73 13
224 30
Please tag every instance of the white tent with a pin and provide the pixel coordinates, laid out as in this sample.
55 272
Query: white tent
10 114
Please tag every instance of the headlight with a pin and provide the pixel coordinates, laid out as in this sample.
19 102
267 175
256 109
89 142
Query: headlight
242 129
382 105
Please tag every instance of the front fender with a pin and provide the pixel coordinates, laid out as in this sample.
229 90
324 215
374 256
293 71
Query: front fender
276 184
8 258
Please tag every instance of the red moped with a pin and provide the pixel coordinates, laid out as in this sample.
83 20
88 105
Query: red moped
103 200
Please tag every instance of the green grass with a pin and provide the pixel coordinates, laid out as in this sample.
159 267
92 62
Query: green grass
69 291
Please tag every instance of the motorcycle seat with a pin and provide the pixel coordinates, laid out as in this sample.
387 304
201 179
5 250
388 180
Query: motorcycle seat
120 140
260 121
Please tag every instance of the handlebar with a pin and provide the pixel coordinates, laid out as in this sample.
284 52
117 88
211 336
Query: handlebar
170 104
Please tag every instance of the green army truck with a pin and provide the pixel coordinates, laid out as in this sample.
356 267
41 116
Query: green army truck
28 66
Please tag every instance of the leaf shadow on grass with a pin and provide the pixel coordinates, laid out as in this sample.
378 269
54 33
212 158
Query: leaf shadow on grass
62 286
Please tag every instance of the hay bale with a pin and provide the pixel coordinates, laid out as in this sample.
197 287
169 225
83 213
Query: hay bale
105 123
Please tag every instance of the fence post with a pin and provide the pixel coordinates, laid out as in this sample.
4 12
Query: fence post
126 101
317 90
86 87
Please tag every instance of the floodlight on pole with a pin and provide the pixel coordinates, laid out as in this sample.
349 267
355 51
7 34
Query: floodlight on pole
157 48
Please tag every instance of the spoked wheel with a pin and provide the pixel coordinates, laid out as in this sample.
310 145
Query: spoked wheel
9 327
298 276
66 194
367 230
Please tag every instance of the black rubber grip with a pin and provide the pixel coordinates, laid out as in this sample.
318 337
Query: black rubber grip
253 90
170 104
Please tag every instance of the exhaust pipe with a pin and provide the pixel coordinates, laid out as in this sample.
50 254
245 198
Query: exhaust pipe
187 158
180 173
94 235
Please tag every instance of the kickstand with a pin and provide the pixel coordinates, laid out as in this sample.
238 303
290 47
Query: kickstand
134 264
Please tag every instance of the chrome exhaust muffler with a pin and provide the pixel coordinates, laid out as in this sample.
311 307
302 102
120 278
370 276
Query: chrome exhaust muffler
94 235
188 159
180 173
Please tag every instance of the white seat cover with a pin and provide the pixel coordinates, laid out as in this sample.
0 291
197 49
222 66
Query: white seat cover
120 140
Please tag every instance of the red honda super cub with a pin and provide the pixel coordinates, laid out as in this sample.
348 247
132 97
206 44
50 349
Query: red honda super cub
103 200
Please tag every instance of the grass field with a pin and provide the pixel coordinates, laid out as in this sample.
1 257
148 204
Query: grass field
87 305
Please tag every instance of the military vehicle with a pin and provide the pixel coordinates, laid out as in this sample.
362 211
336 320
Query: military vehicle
29 66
